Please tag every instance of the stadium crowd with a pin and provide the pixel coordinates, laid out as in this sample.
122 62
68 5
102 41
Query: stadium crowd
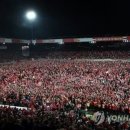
56 91
4 57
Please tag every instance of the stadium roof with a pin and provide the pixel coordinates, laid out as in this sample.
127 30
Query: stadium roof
92 40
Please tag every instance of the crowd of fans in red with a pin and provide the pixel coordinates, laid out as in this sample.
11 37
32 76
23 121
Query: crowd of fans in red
17 55
56 90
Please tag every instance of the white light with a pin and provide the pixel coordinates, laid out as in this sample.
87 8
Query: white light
31 15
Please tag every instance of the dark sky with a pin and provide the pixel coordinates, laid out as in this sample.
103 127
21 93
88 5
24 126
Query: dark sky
65 18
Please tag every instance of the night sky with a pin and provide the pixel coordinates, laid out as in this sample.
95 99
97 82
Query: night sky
65 18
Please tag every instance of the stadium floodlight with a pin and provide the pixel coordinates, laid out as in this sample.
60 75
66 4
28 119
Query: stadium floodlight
31 15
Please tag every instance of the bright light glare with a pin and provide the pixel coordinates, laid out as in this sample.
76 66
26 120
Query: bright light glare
31 15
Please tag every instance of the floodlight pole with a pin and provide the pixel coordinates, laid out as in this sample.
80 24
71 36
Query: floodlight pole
32 33
31 16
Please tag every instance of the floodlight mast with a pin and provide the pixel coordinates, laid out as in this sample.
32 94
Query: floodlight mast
31 17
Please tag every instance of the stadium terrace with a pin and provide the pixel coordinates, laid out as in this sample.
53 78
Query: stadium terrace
82 85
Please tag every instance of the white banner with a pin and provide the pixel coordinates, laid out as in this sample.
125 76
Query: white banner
8 106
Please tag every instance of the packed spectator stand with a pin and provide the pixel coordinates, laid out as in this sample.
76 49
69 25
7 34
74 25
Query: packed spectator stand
56 86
